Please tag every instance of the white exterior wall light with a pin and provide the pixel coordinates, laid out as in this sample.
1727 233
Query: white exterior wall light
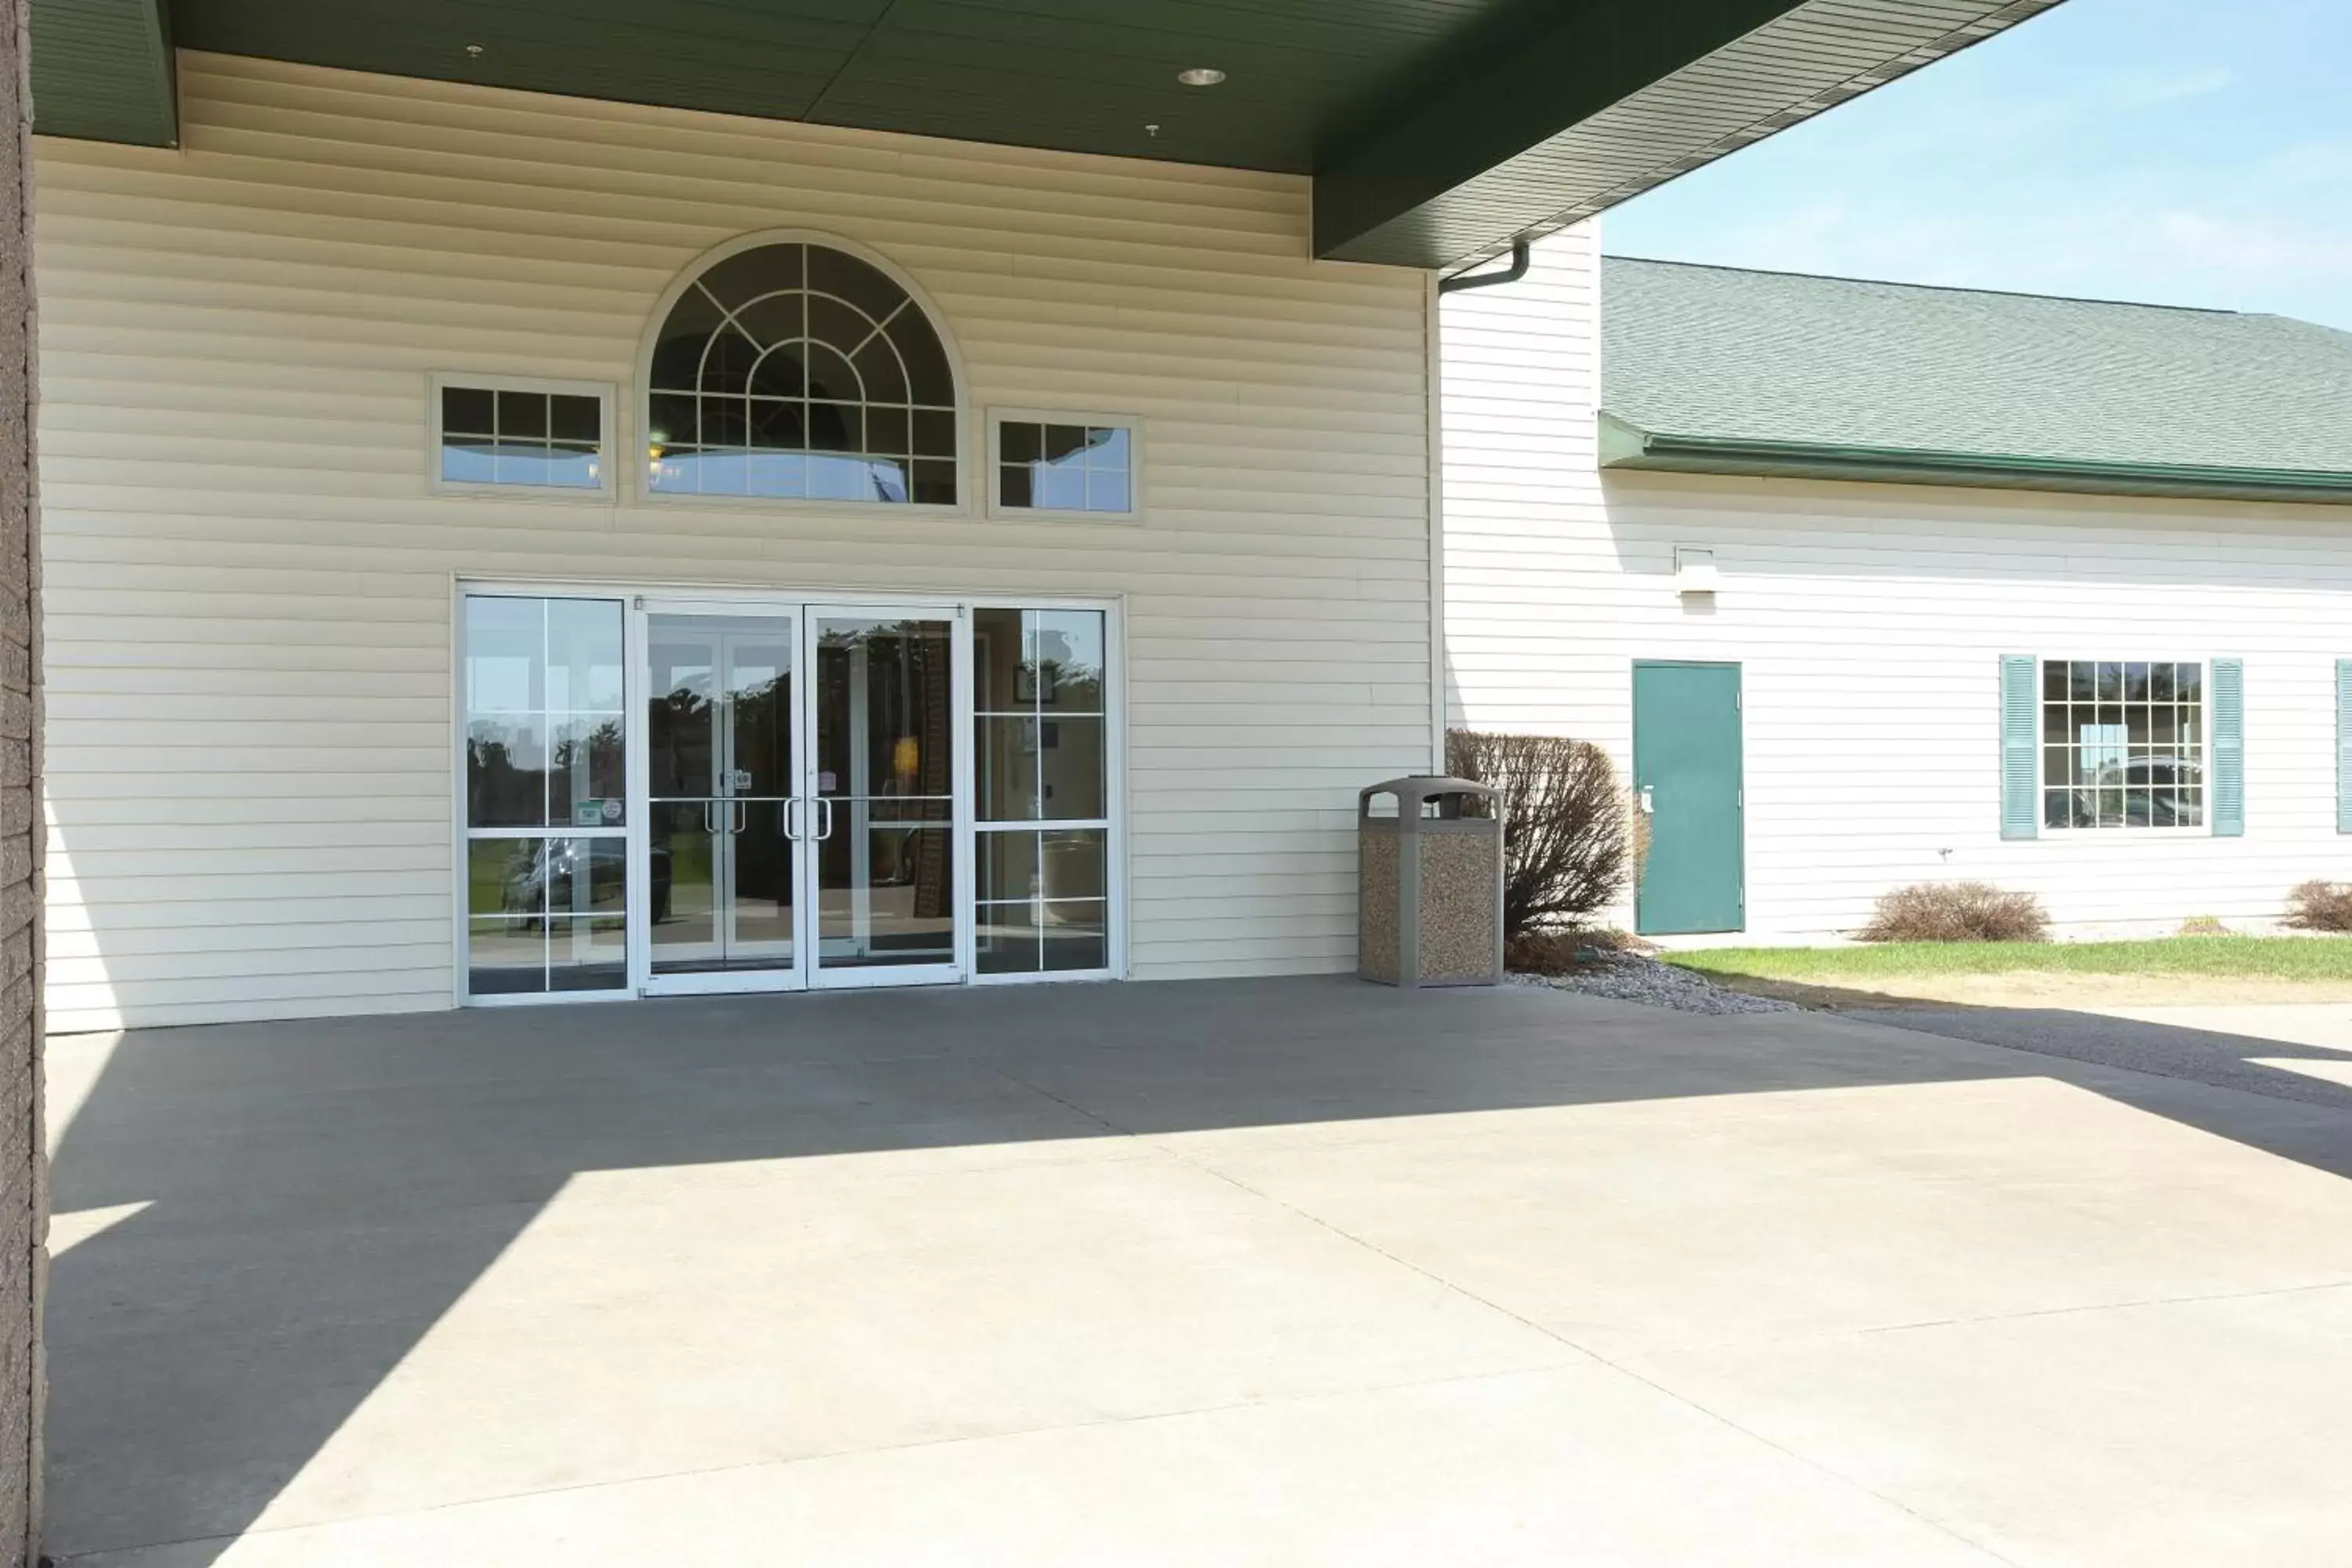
1693 570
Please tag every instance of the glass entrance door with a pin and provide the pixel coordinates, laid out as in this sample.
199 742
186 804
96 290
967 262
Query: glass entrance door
723 818
890 696
800 788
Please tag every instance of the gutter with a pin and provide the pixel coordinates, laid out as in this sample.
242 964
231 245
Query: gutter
1624 446
1520 256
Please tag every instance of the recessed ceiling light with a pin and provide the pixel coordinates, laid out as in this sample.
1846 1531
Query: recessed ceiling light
473 49
1200 76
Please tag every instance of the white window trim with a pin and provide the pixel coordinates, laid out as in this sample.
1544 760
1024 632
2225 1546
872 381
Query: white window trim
641 394
2124 832
992 443
607 398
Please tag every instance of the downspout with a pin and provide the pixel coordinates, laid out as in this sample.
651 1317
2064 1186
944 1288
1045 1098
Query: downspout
1434 372
1441 713
1520 256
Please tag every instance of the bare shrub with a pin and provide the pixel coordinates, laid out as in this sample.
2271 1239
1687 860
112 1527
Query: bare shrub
1571 838
1957 912
1545 952
2321 906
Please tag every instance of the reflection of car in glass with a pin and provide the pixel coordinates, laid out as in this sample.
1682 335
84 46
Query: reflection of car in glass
540 882
2145 792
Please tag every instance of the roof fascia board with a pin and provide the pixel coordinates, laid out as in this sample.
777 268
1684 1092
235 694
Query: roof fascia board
1626 446
105 70
1606 100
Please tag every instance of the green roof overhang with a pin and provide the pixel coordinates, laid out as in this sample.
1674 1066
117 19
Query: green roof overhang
1436 131
1625 448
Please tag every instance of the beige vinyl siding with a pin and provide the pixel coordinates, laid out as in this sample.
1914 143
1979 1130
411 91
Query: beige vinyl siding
250 579
1869 620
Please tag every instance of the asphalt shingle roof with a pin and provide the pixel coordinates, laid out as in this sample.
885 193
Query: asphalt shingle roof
1724 355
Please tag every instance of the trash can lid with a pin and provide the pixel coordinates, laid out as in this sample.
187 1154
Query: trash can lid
1415 790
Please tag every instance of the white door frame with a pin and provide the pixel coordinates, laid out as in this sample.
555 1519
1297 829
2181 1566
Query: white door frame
643 607
958 968
807 604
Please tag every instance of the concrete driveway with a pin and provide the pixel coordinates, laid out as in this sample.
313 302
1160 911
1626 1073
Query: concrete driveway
1280 1272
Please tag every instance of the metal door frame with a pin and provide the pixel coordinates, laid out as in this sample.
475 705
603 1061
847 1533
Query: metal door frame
643 607
960 826
733 601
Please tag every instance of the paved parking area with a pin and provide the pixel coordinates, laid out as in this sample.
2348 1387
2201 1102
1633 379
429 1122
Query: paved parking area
1274 1272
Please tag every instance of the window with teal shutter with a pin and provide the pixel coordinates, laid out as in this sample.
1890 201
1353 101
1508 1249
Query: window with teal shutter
2125 745
2344 745
2020 695
2229 781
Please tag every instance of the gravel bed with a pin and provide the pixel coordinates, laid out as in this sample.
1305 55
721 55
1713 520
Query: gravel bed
1630 977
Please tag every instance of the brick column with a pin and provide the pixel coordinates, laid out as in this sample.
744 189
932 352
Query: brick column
24 1195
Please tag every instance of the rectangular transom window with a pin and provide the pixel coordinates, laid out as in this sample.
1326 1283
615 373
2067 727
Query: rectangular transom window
1071 465
1042 786
523 435
2122 743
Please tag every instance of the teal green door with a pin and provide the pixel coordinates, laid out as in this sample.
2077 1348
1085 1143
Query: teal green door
1687 780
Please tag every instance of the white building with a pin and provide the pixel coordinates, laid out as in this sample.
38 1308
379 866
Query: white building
802 496
1873 584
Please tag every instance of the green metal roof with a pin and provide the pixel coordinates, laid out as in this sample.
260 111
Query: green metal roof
1720 370
1436 130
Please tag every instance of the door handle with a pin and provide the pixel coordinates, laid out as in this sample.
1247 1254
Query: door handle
826 801
709 822
739 816
1649 800
790 811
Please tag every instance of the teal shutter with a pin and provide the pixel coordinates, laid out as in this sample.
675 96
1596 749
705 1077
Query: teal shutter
2020 695
2344 745
2228 770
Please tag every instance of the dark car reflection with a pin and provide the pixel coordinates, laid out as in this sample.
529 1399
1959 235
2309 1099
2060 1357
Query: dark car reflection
578 877
2147 792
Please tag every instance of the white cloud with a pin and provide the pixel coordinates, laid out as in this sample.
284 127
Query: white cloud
2254 248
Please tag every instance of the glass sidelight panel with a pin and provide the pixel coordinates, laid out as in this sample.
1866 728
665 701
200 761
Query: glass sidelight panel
1040 733
884 804
1043 904
721 865
546 810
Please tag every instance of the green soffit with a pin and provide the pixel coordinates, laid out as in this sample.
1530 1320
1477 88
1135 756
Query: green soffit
1720 370
1436 130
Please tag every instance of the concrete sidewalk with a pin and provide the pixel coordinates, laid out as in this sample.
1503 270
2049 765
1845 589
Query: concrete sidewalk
1271 1272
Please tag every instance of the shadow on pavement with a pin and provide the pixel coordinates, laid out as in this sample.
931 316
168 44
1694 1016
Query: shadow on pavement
317 1195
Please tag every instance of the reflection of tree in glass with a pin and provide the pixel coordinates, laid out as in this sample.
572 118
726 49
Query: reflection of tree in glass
1066 673
600 749
500 792
678 733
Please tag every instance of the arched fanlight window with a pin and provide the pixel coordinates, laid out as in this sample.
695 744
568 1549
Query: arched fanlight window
795 370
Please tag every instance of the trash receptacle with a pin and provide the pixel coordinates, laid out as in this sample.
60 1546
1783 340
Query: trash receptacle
1429 882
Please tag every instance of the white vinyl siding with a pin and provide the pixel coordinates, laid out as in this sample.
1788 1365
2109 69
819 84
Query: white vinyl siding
249 578
1869 621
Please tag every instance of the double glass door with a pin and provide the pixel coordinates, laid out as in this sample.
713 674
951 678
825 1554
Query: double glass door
799 784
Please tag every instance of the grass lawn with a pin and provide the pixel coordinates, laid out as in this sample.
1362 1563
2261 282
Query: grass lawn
2166 970
2225 957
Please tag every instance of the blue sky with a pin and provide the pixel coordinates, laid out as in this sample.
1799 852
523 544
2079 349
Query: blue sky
2181 151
